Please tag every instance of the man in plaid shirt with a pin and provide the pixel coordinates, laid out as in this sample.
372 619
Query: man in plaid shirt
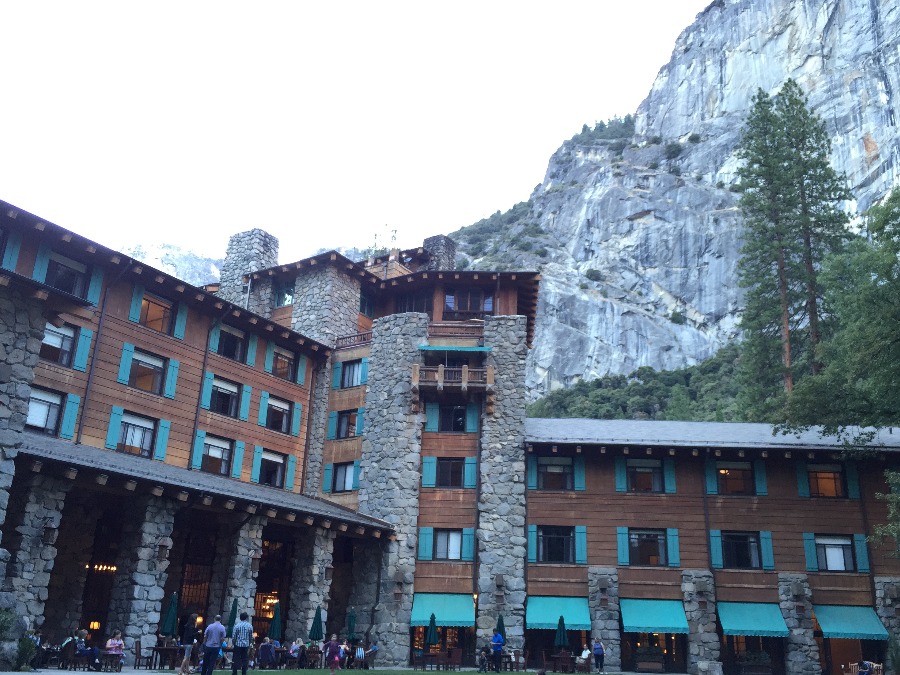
241 636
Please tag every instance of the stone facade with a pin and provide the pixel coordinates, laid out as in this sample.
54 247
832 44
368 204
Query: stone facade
316 441
603 598
442 250
367 573
801 652
310 583
247 252
241 579
326 303
699 590
390 472
501 498
887 600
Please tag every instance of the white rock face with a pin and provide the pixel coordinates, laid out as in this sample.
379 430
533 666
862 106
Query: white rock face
667 245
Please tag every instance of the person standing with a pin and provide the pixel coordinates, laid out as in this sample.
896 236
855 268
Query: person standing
241 637
333 654
497 647
599 653
189 635
212 643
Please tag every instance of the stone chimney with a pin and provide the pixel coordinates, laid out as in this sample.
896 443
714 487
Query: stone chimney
442 250
247 252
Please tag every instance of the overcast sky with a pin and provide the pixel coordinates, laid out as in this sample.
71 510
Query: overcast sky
322 122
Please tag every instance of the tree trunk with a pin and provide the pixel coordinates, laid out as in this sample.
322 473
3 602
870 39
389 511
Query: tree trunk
785 323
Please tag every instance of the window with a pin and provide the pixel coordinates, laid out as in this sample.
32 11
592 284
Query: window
416 302
231 343
66 275
366 306
271 469
735 478
225 397
555 544
216 455
448 544
346 423
835 554
647 547
278 415
147 372
740 550
467 303
450 472
645 475
156 313
58 344
826 480
555 473
351 374
43 411
452 418
283 292
136 435
343 477
283 363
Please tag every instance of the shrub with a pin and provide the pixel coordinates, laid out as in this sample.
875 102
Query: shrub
617 147
698 177
677 317
583 286
694 138
720 184
675 171
653 165
673 150
540 252
594 275
25 653
656 140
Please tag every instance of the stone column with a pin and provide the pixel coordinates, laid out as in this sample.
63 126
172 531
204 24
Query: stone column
139 584
364 595
887 600
390 472
801 653
501 500
326 303
603 596
317 424
310 585
241 581
29 574
699 590
247 252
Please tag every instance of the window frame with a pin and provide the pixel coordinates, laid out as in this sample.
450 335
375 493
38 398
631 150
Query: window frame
58 262
272 405
280 356
459 303
277 459
813 472
446 470
543 462
65 358
346 470
366 305
55 402
448 420
139 358
636 468
283 291
236 339
167 319
447 541
222 393
419 302
730 538
133 421
351 374
636 536
547 536
723 483
225 446
826 542
346 424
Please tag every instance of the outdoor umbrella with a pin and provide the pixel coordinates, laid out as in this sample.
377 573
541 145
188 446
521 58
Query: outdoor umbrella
275 626
170 622
232 618
351 625
431 634
501 628
315 631
561 641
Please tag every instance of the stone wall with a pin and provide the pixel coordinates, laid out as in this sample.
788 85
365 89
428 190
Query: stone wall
367 555
247 252
699 590
442 250
317 423
390 472
310 585
326 303
887 602
241 579
801 652
603 597
501 498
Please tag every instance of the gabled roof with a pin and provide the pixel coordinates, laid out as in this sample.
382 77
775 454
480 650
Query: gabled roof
339 260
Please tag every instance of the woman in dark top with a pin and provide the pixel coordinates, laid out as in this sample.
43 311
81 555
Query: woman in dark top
189 635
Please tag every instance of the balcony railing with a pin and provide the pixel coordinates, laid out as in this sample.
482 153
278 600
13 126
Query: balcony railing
474 330
462 378
347 341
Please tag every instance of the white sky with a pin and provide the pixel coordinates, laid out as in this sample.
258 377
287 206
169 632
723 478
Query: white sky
320 122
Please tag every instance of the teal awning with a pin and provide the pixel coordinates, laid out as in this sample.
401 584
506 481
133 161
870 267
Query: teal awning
752 618
451 348
653 616
855 623
449 609
543 611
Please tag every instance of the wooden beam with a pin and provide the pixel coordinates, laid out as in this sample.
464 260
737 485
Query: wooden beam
39 226
67 237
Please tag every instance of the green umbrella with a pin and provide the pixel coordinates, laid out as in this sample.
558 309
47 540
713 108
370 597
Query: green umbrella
561 640
316 632
501 628
232 618
275 626
431 634
170 622
351 625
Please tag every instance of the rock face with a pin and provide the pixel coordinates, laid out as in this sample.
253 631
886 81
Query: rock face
638 240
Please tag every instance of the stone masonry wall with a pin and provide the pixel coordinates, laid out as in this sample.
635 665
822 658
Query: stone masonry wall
326 303
699 590
241 582
887 600
367 555
442 250
501 499
314 459
390 472
310 586
248 251
801 653
603 597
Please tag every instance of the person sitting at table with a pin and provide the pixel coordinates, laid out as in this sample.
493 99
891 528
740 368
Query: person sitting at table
585 657
266 654
82 649
483 657
115 645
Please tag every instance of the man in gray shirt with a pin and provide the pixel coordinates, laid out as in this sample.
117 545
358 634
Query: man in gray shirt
213 637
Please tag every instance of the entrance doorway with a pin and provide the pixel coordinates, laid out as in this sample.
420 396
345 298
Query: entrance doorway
662 652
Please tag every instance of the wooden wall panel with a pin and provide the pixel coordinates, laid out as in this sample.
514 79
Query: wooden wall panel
649 583
449 445
746 586
346 399
344 450
841 589
283 315
444 577
450 509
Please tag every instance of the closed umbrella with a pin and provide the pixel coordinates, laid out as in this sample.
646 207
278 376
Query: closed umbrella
170 622
431 634
351 625
232 618
316 632
561 641
275 626
501 628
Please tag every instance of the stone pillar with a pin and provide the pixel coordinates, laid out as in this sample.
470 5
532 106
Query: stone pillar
390 472
364 595
501 500
887 600
241 581
603 596
699 590
801 652
247 252
317 425
326 303
442 250
310 585
138 587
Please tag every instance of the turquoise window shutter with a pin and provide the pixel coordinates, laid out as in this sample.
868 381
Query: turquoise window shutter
578 466
82 349
468 544
125 363
257 463
237 464
137 297
289 475
767 552
470 472
115 427
263 408
472 417
432 416
162 439
206 390
70 415
180 321
11 253
214 338
171 378
251 350
759 476
581 545
715 548
802 479
356 464
712 478
327 479
622 545
95 285
621 475
246 394
332 425
197 454
672 547
270 356
426 543
669 475
429 471
296 415
360 421
336 375
852 479
41 261
532 543
862 553
531 471
301 369
364 371
809 548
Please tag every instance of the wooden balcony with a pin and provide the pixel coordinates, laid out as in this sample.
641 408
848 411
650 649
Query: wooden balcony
473 330
462 378
355 340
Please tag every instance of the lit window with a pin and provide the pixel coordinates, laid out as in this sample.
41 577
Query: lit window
346 423
647 547
216 455
351 374
58 344
278 415
735 478
66 275
283 362
835 554
740 550
43 411
136 435
450 472
555 544
645 475
231 343
448 544
156 313
147 372
224 398
271 469
826 480
343 477
555 473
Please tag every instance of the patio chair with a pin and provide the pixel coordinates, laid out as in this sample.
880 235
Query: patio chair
140 661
